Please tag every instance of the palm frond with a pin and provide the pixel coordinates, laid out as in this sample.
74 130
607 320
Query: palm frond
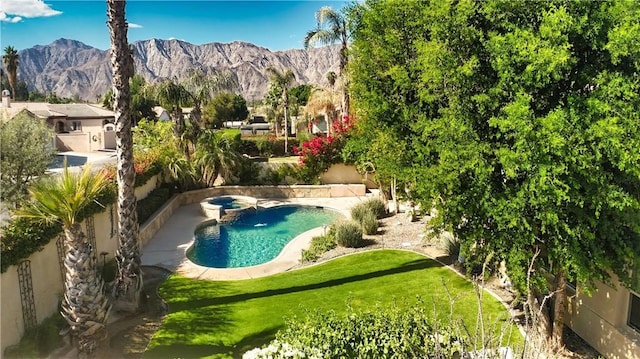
63 197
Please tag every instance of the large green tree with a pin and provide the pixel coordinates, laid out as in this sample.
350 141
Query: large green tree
10 62
522 123
223 107
129 277
62 199
26 150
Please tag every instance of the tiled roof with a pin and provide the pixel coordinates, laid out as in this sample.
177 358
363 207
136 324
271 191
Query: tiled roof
45 110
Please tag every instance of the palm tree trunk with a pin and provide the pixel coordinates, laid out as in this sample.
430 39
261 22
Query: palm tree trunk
129 277
85 307
345 78
286 131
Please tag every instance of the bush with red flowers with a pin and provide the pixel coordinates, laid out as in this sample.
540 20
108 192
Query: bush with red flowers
319 153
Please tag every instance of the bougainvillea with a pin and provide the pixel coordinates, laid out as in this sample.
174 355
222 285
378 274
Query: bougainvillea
317 154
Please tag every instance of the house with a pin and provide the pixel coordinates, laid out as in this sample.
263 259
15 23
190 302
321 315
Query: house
78 127
609 319
163 115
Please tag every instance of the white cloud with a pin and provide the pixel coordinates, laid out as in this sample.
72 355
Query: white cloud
15 10
134 26
5 18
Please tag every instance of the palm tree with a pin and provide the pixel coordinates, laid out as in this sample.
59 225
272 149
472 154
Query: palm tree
10 61
61 199
129 277
331 28
199 89
173 96
202 87
322 100
283 80
217 154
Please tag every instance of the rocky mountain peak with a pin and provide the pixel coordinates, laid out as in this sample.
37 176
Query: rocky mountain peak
70 68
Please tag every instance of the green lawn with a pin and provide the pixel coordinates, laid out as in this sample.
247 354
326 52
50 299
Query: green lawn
288 159
226 318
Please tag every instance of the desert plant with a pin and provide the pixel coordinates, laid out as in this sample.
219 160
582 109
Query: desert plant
359 211
369 223
349 234
451 245
377 206
319 245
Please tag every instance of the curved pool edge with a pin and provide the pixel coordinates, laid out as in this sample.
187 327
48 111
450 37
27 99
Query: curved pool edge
288 257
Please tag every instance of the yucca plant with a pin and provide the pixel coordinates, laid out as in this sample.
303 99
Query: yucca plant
62 199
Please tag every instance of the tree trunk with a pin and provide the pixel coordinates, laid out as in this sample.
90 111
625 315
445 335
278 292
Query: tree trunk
546 313
84 306
286 125
557 316
345 80
129 277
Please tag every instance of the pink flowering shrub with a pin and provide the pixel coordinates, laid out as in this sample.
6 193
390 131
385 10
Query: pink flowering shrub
317 154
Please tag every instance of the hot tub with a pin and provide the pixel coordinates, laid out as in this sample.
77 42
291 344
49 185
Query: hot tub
225 208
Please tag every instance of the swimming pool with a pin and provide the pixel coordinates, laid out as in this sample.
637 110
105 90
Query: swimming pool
255 238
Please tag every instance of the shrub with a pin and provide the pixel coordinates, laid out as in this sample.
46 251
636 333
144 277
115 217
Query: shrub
349 234
319 245
377 206
265 145
154 200
369 223
359 211
451 245
387 332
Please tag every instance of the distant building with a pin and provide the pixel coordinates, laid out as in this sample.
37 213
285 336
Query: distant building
77 127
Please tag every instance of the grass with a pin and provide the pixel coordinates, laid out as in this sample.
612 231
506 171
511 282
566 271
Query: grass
288 159
223 319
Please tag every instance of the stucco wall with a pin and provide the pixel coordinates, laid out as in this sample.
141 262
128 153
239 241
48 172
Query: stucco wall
78 142
143 191
47 277
601 320
12 324
336 174
341 173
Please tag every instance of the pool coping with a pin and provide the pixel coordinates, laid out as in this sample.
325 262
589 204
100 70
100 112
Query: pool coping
168 247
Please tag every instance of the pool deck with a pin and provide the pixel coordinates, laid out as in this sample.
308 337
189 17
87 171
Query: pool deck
167 249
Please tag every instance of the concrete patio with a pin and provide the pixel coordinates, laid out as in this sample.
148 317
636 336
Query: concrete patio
168 247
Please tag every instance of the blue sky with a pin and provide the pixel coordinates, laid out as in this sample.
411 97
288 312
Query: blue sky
276 25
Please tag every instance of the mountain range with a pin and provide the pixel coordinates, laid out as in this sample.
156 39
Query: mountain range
73 69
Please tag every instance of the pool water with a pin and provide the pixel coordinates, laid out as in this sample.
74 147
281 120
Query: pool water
255 238
230 203
72 161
